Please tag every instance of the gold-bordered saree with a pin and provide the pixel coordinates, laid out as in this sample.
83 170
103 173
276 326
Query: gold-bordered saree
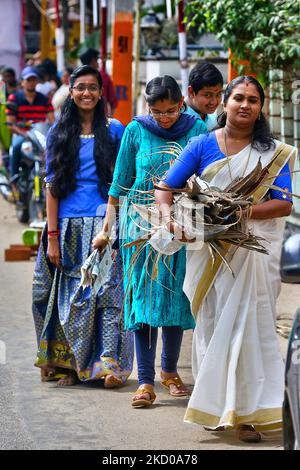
237 365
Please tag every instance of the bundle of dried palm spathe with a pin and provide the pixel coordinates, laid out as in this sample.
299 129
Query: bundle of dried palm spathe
224 212
209 214
204 212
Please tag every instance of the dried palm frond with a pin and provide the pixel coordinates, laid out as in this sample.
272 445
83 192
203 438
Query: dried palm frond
210 214
205 212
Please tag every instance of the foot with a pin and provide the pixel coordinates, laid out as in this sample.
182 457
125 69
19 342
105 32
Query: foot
47 374
174 384
111 381
144 396
69 379
247 433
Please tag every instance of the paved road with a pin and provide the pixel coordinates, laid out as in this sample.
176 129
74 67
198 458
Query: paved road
38 415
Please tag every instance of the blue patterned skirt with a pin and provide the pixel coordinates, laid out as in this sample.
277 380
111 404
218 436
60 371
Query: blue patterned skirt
76 329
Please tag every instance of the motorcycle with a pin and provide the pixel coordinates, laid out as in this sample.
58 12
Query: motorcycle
29 179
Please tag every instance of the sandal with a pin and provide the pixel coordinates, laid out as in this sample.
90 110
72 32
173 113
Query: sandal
247 433
49 375
110 381
69 379
181 389
142 402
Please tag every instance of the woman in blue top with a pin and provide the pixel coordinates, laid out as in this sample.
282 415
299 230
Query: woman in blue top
237 366
80 335
146 152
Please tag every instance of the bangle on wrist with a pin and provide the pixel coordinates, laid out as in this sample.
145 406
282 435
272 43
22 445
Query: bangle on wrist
103 237
53 233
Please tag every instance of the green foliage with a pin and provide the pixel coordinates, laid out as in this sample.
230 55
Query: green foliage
265 32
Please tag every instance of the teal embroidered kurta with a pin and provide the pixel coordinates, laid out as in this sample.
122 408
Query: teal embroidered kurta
157 301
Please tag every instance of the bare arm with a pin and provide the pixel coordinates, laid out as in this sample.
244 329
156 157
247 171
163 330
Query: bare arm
101 240
51 117
164 199
271 209
14 127
53 250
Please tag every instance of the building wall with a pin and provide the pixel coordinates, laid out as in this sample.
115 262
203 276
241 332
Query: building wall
11 34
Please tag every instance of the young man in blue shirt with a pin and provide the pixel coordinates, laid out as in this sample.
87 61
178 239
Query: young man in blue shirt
205 93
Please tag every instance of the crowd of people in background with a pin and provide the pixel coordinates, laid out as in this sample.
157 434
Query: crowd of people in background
92 161
38 96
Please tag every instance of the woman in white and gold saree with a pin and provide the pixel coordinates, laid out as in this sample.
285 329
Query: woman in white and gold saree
237 366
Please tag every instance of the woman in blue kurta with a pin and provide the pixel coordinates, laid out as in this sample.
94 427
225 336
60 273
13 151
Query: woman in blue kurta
80 334
145 154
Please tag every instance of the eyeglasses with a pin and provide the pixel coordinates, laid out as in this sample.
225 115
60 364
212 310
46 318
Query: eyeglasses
167 114
81 88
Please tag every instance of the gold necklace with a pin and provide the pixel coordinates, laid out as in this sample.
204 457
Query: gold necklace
227 157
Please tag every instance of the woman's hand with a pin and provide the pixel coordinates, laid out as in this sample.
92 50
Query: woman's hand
100 241
244 213
53 251
178 232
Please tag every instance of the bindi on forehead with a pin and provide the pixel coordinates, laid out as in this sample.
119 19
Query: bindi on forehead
247 89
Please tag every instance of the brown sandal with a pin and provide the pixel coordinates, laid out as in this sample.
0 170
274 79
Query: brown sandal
181 389
110 381
247 433
50 375
142 402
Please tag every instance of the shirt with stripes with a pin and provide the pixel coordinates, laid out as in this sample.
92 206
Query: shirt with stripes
36 111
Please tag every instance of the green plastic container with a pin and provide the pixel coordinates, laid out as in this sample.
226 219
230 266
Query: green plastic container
30 236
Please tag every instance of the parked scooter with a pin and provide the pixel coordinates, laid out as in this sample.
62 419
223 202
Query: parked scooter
29 179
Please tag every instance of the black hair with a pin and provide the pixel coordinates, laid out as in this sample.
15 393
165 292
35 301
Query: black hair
64 143
50 67
204 74
41 71
262 136
88 56
70 70
162 88
9 70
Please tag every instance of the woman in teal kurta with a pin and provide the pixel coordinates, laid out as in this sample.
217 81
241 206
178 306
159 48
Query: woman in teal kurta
145 155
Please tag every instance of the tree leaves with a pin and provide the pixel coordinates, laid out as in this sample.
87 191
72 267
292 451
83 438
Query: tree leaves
265 32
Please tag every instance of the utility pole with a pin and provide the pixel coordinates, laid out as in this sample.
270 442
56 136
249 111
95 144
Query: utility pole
82 21
122 57
45 31
95 13
137 46
59 39
182 48
103 33
65 26
169 9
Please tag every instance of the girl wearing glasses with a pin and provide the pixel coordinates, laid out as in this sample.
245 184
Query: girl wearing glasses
146 154
80 335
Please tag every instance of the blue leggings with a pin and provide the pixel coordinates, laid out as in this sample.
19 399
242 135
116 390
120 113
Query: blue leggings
171 339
